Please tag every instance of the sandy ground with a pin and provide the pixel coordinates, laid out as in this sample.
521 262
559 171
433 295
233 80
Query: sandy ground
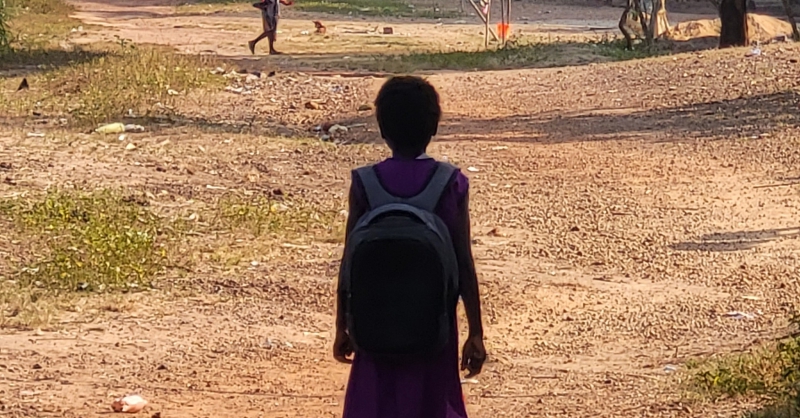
621 212
225 31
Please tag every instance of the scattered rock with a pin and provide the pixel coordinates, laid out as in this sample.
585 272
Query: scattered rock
129 404
333 130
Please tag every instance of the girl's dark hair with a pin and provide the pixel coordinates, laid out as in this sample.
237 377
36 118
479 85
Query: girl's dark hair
408 113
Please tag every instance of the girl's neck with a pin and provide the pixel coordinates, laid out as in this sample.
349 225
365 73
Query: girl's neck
423 156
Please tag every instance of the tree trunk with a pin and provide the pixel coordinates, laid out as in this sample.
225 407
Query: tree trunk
790 13
733 15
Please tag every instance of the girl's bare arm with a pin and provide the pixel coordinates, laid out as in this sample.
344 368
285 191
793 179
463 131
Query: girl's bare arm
468 279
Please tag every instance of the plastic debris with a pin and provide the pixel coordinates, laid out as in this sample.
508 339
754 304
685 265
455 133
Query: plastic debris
35 135
130 404
741 315
472 169
756 51
111 128
118 128
469 381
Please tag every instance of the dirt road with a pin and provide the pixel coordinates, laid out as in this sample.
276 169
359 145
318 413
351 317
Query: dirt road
620 220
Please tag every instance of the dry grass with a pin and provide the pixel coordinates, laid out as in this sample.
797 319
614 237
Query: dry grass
68 245
770 374
128 82
524 53
100 84
266 214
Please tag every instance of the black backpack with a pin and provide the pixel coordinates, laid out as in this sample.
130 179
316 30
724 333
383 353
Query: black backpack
399 274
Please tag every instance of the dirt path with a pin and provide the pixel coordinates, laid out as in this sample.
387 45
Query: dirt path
224 31
615 230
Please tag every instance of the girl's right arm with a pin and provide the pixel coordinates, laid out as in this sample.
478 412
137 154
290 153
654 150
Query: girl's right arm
474 353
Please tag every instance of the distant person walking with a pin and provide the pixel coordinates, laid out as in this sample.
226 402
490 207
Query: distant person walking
270 13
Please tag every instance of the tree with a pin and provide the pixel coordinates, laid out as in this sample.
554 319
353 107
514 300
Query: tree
790 13
650 15
733 17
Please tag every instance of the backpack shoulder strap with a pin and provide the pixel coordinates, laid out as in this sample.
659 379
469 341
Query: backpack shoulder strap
429 198
376 195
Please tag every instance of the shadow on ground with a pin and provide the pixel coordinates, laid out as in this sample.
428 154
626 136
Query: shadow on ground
737 241
737 118
28 61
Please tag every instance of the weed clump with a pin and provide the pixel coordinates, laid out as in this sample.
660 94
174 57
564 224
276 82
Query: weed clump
99 241
771 373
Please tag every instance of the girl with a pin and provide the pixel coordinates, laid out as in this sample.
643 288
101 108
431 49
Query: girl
408 113
270 12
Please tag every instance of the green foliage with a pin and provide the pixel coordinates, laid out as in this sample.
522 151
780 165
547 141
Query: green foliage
517 54
101 88
393 8
260 214
771 372
98 241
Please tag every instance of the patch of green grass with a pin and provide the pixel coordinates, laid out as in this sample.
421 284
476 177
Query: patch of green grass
75 241
37 24
771 373
143 82
394 8
260 214
520 54
91 86
383 8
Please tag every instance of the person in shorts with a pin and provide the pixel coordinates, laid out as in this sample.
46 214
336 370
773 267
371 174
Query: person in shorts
270 13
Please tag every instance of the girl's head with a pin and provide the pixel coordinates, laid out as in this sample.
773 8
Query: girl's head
408 113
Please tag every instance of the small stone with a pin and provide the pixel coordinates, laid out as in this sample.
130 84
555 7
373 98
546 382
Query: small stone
130 147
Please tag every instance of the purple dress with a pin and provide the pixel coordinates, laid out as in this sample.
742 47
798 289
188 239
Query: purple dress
428 388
